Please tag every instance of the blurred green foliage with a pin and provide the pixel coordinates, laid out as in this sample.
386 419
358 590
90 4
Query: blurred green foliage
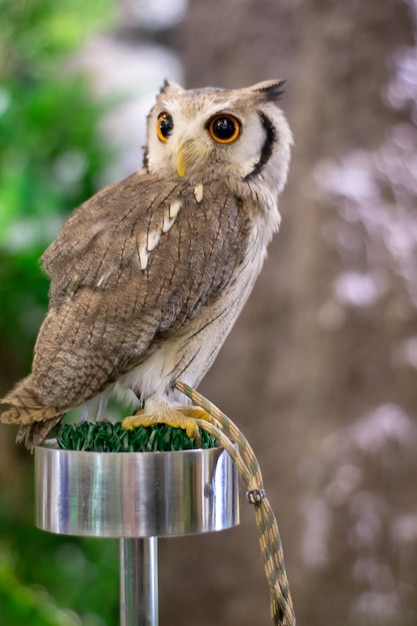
50 580
50 160
50 154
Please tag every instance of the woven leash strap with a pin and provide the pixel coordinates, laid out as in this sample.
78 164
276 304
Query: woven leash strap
238 447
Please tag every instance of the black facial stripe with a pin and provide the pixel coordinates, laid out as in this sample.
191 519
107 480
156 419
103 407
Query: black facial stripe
145 162
267 148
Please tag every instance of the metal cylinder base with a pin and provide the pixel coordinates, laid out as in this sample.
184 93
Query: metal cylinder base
135 494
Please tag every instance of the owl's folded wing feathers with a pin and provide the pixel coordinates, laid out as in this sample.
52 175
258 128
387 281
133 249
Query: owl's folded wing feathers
139 259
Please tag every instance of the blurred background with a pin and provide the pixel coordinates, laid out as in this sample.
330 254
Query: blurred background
319 371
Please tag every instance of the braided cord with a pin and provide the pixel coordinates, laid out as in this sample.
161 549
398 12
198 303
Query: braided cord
241 452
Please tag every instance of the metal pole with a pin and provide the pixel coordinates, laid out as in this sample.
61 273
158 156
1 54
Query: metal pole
95 494
139 582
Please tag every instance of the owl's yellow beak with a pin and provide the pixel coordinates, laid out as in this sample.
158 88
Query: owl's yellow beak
188 154
181 161
183 157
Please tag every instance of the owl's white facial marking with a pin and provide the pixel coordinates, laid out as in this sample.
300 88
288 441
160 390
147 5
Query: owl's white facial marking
204 135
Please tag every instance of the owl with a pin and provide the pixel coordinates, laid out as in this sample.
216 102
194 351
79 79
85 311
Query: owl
150 274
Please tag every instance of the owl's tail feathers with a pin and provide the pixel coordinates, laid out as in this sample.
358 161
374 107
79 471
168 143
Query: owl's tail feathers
23 406
32 435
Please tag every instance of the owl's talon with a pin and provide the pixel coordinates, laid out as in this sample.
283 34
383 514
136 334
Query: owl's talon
179 417
131 422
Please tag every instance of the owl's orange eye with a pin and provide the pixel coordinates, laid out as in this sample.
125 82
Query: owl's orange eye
224 128
164 126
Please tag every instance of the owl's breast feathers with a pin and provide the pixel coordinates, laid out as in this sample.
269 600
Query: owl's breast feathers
130 268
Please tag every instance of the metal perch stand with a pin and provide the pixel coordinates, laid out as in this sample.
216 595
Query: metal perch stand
137 497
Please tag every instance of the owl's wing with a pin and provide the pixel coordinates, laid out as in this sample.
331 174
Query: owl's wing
137 261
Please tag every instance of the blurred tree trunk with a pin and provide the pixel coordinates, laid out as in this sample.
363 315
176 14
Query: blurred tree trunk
295 368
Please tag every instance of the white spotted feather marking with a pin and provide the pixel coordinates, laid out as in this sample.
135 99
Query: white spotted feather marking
153 238
174 208
169 218
199 192
104 277
143 257
168 222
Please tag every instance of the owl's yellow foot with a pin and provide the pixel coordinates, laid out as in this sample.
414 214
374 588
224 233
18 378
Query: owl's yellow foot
158 412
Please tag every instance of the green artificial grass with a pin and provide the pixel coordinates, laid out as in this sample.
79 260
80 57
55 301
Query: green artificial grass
108 437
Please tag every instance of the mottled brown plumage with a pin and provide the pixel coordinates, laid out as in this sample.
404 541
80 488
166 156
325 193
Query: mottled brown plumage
148 276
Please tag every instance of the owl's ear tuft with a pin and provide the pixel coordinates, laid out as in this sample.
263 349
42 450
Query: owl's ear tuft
271 90
170 85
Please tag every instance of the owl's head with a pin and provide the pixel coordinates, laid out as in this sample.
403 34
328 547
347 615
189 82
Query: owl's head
206 134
